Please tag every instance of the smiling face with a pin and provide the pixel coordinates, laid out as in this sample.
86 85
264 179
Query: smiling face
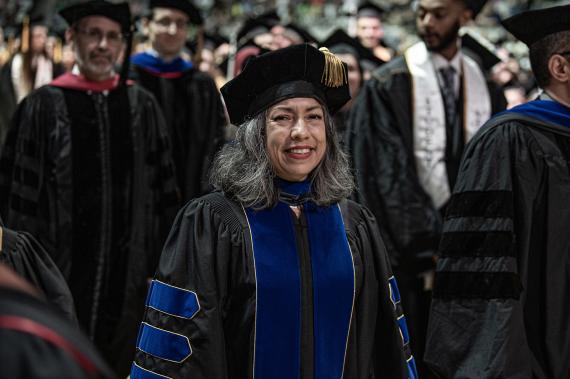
296 137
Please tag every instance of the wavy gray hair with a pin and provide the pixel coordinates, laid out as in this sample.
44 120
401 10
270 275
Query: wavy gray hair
243 169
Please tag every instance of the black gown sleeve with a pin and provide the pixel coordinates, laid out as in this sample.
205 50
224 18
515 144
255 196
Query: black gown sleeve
384 166
36 342
22 253
182 334
379 337
476 327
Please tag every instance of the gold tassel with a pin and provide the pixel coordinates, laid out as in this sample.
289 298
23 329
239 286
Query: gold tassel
334 74
25 43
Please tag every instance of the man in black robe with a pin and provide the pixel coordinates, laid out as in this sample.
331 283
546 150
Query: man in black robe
87 170
406 134
37 342
501 305
189 98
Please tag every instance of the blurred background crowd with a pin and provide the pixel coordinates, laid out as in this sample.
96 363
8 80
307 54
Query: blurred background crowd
33 28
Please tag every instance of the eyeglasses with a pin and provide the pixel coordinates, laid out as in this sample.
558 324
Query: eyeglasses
97 35
167 22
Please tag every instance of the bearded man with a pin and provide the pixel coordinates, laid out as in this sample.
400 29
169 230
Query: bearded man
87 169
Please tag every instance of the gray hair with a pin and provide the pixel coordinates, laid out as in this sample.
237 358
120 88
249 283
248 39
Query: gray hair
243 169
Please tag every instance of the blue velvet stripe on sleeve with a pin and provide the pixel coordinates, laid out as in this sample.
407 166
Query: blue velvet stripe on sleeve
138 372
412 370
404 329
394 291
163 344
172 300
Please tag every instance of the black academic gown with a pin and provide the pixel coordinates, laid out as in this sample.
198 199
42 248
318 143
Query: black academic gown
95 184
192 106
22 253
501 306
380 140
36 342
209 252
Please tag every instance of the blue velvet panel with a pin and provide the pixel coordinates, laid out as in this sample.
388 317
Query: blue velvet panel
172 300
163 344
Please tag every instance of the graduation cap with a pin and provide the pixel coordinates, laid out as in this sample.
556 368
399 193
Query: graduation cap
211 41
182 5
341 43
118 12
295 71
480 50
369 9
532 26
299 33
253 27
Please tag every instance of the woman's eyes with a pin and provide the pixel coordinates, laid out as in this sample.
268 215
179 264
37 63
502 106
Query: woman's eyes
281 117
286 117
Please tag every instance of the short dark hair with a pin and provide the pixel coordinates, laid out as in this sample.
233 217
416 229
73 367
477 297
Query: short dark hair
542 50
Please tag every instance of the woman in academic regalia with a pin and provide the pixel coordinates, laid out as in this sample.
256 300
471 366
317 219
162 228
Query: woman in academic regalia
277 275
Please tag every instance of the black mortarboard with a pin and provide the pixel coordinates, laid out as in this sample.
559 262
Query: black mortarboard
182 5
482 51
532 26
341 43
303 33
118 12
294 71
369 9
253 27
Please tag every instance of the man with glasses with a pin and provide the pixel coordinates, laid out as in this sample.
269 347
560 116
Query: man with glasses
87 169
188 97
501 305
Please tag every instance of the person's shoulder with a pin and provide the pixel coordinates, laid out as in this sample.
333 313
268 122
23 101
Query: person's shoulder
396 67
355 214
219 206
505 132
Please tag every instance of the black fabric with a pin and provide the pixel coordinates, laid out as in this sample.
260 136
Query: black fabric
209 251
477 285
481 204
531 26
23 254
25 355
379 138
102 208
195 119
478 326
478 244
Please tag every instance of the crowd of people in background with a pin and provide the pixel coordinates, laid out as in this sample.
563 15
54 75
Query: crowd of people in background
115 116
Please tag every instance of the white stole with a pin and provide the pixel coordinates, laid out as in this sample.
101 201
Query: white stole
429 117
